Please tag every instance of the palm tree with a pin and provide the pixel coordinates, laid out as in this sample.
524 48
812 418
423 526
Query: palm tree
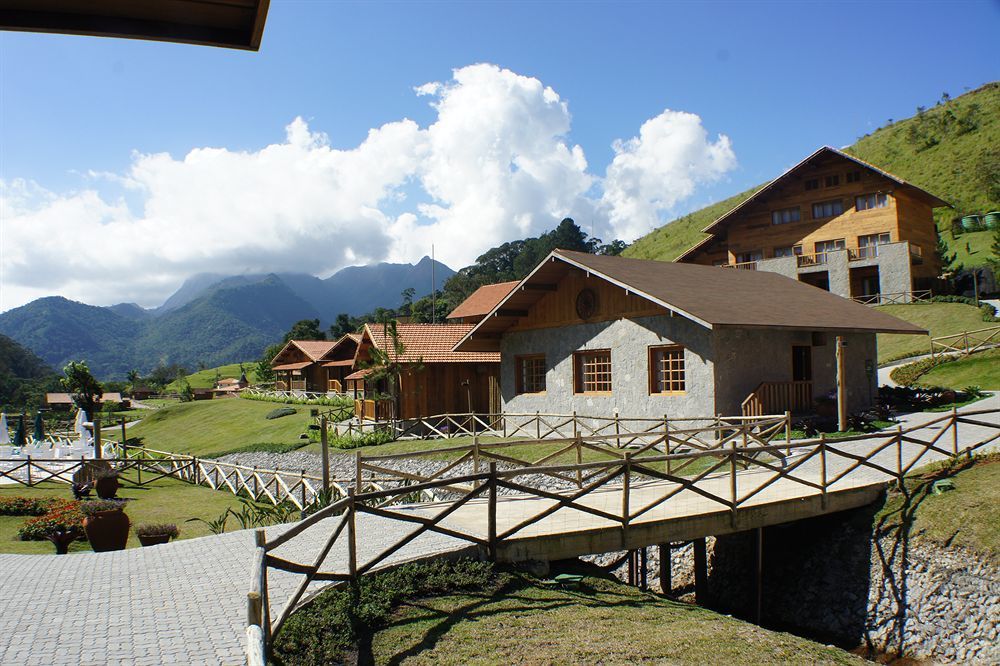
387 364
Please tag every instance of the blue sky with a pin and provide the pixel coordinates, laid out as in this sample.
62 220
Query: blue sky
777 79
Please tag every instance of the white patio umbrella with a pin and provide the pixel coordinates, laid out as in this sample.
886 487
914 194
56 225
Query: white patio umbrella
78 426
4 435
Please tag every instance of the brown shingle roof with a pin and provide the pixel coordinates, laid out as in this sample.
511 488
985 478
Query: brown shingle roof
482 300
432 343
712 296
314 349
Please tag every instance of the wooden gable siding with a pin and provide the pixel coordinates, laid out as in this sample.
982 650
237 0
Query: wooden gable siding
916 225
437 389
752 230
558 308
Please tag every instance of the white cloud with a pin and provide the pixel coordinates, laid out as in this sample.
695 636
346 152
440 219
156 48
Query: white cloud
496 164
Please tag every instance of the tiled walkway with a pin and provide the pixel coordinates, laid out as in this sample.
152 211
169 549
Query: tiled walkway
184 603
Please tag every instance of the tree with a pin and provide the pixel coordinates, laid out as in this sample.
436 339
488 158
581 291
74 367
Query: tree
406 308
262 368
186 392
946 259
343 325
133 379
305 329
387 364
995 259
82 385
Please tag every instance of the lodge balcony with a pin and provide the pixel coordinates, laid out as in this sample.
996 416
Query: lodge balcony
779 397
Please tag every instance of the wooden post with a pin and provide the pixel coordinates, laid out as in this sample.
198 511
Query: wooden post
302 486
352 537
357 471
97 437
822 469
579 460
643 568
899 453
666 587
538 425
954 430
631 568
492 512
700 571
475 454
788 430
759 586
666 441
29 470
841 386
576 429
260 540
324 443
732 481
256 483
626 491
124 440
618 439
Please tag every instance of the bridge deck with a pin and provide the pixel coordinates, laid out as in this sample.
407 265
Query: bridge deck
185 601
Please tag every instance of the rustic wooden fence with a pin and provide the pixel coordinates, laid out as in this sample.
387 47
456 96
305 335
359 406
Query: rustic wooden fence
967 342
836 465
895 298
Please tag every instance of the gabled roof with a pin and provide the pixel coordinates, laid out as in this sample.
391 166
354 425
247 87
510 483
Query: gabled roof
825 151
314 350
429 343
713 297
230 23
482 300
347 339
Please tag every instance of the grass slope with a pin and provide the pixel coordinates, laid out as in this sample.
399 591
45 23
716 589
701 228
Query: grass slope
211 427
604 622
961 168
207 378
938 318
166 501
981 369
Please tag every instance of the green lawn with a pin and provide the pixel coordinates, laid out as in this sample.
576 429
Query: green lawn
207 378
604 622
209 427
972 248
165 501
967 517
981 369
938 318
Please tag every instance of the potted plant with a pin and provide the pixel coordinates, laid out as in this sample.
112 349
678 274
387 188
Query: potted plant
152 534
61 524
106 484
105 523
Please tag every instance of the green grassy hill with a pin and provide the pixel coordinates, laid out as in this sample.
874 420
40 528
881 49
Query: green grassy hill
951 150
211 427
981 369
938 318
206 378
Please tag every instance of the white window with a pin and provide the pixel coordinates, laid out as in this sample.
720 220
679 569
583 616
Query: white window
785 215
868 245
830 208
869 201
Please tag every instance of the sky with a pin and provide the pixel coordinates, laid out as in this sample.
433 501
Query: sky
366 132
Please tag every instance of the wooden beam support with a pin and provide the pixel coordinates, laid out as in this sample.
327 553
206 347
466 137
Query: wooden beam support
503 312
700 572
540 287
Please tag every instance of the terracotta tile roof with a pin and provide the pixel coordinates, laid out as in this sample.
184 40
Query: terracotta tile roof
359 374
483 300
432 343
292 366
67 399
314 349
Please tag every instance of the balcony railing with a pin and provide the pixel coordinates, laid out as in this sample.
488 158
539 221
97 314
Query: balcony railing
869 252
817 259
778 397
742 266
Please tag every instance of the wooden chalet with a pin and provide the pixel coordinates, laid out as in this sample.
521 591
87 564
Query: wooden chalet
479 304
441 381
835 222
315 366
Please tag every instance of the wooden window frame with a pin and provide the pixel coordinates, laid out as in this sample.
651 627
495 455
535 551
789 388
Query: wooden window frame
824 203
793 251
811 184
853 176
519 388
798 213
875 196
832 180
654 370
579 361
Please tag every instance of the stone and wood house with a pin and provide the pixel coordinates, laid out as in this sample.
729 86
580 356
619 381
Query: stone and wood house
315 366
600 335
835 222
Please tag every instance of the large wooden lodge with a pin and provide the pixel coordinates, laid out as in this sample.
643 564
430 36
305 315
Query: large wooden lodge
835 222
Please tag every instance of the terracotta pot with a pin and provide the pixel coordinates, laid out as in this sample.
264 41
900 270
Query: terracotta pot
62 540
107 487
107 530
153 539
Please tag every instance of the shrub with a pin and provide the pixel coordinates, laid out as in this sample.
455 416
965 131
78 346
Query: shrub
25 506
90 507
63 516
372 438
988 312
280 411
331 625
157 529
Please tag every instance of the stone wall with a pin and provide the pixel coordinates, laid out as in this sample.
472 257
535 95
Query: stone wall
835 580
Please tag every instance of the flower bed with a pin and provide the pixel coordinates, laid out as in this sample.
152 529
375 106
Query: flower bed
62 516
25 506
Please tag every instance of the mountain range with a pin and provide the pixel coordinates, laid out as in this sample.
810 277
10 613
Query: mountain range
211 319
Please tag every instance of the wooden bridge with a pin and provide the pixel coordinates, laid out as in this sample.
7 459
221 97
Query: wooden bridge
658 487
